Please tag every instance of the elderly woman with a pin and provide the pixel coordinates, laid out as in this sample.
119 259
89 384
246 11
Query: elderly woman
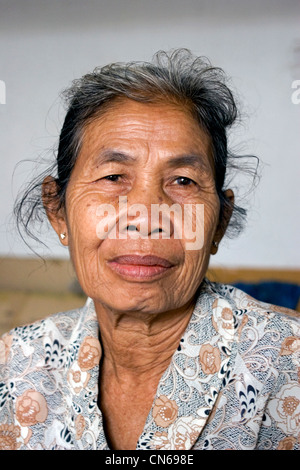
159 357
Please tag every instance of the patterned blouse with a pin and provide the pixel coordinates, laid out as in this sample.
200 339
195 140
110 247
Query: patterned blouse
233 382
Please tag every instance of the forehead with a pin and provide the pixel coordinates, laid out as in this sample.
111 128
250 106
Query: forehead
130 125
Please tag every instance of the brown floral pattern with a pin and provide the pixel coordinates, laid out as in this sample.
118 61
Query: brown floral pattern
9 434
79 426
164 411
31 408
210 359
287 443
233 382
290 345
89 353
77 378
222 319
285 408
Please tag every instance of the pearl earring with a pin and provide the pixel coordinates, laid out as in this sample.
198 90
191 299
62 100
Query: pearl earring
62 236
215 244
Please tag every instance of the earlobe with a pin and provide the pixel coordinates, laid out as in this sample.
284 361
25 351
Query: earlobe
214 247
55 214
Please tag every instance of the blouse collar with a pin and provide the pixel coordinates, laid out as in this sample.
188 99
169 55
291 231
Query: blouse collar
186 392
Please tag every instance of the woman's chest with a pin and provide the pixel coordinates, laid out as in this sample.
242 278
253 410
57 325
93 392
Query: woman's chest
124 416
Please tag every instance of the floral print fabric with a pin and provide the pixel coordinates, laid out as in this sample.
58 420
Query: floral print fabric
233 382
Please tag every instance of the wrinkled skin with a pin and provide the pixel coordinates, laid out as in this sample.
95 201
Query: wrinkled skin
152 135
141 318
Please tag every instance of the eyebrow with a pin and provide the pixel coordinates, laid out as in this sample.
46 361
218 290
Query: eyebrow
197 161
114 156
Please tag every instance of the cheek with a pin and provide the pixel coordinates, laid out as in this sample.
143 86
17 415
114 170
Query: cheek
82 222
197 252
199 224
211 215
84 243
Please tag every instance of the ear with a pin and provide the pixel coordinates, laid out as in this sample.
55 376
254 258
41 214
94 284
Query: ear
223 223
56 215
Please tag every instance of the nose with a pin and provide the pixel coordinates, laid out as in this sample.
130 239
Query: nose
148 218
140 229
134 228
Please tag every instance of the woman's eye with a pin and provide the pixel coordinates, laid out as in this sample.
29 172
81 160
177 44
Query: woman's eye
184 181
113 178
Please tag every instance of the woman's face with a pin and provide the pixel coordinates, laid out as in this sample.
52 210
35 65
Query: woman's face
146 154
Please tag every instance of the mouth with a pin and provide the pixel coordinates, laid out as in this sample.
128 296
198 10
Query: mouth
140 267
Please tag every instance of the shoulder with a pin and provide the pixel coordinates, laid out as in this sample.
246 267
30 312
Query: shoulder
38 380
243 304
262 375
272 330
35 342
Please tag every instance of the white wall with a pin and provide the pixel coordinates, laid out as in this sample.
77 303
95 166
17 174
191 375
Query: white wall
45 44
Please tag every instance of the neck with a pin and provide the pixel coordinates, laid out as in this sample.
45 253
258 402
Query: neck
137 345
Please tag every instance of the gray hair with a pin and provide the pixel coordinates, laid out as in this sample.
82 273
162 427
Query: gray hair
178 77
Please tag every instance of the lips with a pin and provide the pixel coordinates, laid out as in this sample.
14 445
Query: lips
147 260
137 266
